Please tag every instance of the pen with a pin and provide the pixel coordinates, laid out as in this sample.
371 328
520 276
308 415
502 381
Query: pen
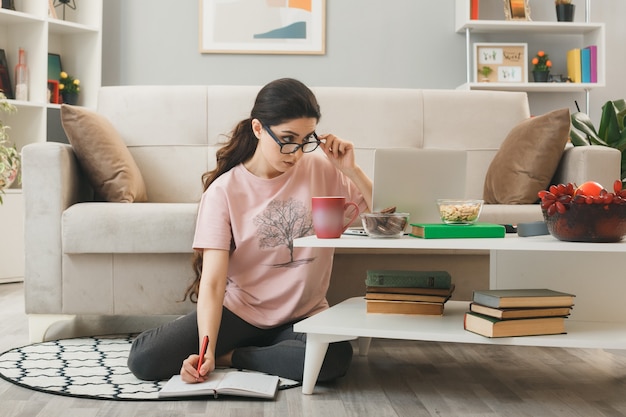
205 343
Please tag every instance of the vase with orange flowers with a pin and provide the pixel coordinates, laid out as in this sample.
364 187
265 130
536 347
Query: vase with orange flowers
541 67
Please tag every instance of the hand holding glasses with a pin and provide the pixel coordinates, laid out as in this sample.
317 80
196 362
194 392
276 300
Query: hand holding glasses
308 145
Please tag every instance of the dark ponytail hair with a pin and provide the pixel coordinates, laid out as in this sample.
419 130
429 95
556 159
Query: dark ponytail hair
276 103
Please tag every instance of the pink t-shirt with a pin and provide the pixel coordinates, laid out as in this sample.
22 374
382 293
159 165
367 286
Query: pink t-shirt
269 281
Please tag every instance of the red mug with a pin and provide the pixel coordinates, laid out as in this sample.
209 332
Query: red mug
329 216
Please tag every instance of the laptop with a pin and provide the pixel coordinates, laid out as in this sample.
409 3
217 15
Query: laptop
399 180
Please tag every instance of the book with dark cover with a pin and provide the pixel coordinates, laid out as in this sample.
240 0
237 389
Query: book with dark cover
515 298
399 278
412 290
455 231
404 307
519 313
493 327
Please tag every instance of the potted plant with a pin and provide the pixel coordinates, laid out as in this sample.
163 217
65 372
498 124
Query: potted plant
9 156
485 71
611 130
541 67
69 87
564 10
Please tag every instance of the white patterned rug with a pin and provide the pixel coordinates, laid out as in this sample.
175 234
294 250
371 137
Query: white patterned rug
86 367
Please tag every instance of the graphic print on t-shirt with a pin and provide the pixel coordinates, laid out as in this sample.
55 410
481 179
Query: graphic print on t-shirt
280 223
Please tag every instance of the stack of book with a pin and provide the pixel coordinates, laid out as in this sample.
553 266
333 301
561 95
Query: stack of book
582 64
407 292
518 312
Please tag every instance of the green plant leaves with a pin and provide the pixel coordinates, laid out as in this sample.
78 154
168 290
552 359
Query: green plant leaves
610 133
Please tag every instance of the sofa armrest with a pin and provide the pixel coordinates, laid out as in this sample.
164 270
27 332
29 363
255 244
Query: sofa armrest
589 163
51 182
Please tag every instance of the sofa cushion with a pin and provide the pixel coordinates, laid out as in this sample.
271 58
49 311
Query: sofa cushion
128 228
527 159
103 155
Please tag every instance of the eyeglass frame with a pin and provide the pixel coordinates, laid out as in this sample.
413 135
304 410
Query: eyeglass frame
301 146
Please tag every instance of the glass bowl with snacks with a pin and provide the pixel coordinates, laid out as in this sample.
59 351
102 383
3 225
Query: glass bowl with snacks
386 223
459 211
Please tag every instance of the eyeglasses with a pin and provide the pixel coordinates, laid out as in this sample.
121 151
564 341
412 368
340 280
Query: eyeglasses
309 145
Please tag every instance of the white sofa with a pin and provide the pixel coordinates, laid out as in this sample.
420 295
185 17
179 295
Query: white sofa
94 258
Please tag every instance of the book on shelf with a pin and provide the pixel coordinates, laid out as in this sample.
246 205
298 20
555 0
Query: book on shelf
574 66
515 298
404 307
519 313
474 7
412 290
406 297
593 63
585 65
224 382
453 231
492 327
400 278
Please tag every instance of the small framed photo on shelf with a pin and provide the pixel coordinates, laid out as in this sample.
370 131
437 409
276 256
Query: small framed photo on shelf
516 10
54 66
501 62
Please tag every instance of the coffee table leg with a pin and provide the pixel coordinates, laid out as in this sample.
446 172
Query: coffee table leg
364 345
316 347
313 359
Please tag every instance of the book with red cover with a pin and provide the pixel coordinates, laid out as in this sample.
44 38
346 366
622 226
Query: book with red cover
474 9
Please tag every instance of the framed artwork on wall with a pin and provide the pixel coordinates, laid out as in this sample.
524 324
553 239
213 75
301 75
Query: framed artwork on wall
516 10
501 62
262 27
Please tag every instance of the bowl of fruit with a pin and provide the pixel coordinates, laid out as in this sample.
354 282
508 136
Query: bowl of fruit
585 213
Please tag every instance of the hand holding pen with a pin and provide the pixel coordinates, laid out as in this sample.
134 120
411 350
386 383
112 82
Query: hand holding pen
205 343
190 372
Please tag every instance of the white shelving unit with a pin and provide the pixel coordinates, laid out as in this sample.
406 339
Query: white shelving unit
569 34
78 40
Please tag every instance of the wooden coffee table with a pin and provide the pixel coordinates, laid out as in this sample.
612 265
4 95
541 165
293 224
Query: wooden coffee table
598 319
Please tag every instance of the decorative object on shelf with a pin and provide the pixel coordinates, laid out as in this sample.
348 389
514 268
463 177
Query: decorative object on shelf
507 60
295 27
8 4
9 156
51 10
485 71
53 92
65 3
474 9
21 77
541 67
588 213
565 10
611 130
69 88
5 78
516 10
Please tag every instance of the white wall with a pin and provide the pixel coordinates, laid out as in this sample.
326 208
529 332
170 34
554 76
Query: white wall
377 43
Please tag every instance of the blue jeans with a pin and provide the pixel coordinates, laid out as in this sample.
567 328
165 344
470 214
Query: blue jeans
158 354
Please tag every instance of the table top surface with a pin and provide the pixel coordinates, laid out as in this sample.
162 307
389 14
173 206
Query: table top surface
509 242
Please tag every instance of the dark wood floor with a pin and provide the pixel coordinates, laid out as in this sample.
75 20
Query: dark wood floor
398 378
